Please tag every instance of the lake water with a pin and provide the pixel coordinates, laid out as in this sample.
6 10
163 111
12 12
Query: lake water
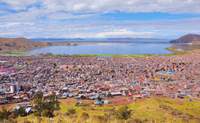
105 48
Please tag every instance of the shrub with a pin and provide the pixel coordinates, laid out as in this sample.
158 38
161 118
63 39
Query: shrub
4 114
71 111
99 119
123 113
45 106
85 116
47 113
27 121
20 112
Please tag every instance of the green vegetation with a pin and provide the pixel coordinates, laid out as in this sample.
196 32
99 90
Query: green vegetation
13 53
181 49
4 114
175 51
106 55
20 112
155 109
23 53
115 55
45 106
71 111
123 113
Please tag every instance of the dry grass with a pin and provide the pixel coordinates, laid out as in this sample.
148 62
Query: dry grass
155 109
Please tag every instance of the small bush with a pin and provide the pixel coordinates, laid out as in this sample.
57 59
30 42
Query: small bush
20 112
71 111
123 113
85 116
27 121
4 114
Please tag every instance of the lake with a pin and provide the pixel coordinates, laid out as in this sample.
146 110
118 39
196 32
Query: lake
105 48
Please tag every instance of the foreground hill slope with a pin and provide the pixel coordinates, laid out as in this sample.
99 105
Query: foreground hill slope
151 110
190 38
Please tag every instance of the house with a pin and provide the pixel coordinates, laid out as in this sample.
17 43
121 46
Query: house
106 102
28 110
64 95
159 93
116 93
81 96
181 95
3 100
93 97
99 102
65 89
138 96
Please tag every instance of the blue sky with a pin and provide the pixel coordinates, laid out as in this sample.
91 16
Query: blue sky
99 19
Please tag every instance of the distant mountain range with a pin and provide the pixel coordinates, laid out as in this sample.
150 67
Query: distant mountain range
125 40
189 38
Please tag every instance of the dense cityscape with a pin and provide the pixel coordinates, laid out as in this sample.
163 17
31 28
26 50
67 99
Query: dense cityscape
93 77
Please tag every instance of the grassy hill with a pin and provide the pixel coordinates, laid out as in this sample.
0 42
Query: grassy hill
150 110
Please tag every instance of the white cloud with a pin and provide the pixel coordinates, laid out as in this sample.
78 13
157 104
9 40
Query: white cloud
19 4
100 29
181 6
65 18
124 33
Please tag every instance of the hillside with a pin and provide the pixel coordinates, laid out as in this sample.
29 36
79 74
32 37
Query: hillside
190 38
23 44
151 110
7 44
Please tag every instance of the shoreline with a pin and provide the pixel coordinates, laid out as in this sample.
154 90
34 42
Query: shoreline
173 49
23 53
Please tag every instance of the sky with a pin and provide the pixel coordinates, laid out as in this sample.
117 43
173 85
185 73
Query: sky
99 18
